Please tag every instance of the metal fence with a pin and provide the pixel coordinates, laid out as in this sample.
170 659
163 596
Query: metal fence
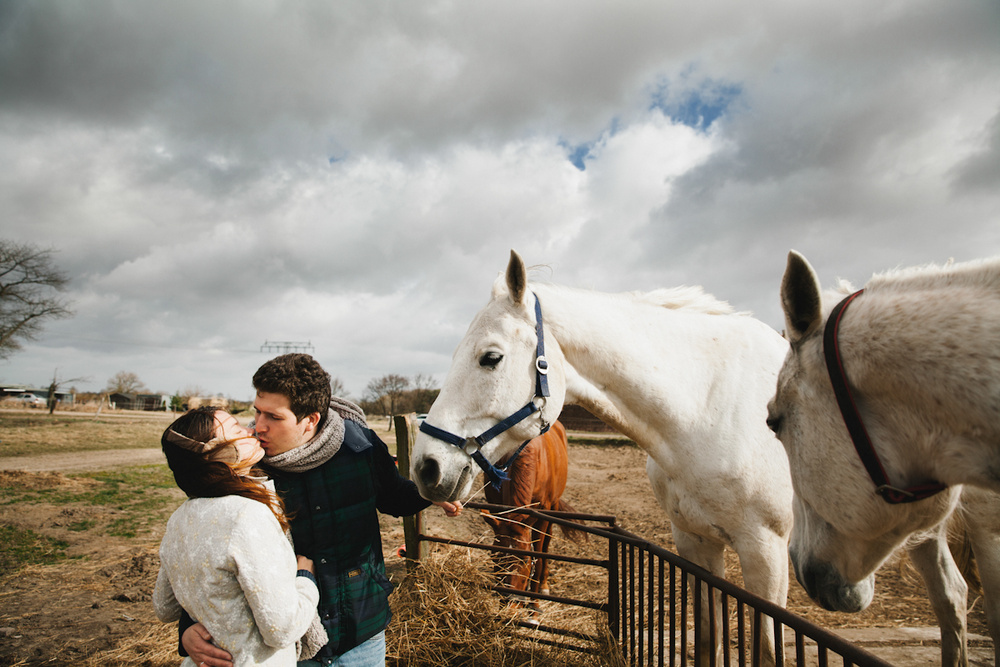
654 598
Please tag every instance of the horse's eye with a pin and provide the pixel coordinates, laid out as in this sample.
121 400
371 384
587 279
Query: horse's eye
774 423
490 359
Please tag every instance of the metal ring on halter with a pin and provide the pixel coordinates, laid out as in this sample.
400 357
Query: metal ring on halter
539 402
542 364
471 446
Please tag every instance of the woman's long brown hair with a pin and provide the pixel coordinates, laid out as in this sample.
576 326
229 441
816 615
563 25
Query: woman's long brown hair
200 478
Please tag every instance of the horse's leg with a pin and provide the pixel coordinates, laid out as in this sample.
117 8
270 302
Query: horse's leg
764 562
947 591
544 538
700 551
711 556
981 510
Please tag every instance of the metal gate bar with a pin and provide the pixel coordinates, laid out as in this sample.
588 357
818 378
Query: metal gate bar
649 610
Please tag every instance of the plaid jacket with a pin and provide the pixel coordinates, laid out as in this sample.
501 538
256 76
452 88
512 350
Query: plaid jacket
334 518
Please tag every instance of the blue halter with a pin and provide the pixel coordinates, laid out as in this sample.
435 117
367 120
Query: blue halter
497 475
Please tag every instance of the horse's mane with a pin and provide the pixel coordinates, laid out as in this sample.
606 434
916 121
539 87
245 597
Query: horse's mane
688 297
981 273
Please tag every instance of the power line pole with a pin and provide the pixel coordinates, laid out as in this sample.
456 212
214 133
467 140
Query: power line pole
286 346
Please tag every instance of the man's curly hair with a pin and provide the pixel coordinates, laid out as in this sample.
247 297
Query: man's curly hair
299 378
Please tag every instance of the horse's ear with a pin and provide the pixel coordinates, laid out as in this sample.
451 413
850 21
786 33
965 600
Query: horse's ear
490 520
800 298
517 277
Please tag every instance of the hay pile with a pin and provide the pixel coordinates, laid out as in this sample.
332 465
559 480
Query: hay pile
445 615
156 646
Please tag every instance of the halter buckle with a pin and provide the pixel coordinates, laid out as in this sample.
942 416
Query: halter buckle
471 446
542 364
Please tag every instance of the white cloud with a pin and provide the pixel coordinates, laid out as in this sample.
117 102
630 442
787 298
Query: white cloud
354 174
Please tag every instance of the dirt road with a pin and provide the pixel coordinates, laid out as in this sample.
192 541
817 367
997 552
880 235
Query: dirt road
77 461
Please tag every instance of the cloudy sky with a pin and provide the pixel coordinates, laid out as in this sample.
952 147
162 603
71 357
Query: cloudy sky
215 175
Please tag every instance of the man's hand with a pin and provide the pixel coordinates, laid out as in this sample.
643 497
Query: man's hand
451 509
197 642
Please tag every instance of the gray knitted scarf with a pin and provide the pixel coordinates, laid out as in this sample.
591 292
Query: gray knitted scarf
322 447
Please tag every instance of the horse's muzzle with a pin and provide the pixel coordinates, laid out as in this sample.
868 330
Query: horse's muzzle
437 486
828 588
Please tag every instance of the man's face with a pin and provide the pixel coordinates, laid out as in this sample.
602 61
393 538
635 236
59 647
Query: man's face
276 426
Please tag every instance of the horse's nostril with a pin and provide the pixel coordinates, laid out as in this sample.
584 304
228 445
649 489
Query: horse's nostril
429 473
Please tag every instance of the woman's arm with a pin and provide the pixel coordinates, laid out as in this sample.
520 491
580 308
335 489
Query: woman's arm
282 603
168 609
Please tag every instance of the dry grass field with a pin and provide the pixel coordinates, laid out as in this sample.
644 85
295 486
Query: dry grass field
81 526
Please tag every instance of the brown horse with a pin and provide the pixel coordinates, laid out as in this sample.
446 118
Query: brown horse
537 479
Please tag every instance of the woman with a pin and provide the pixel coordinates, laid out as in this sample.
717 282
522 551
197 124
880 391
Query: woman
224 557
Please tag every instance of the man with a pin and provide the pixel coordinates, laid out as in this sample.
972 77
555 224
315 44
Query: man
334 475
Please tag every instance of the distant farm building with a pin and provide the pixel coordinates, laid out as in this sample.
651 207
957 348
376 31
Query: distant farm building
151 402
215 401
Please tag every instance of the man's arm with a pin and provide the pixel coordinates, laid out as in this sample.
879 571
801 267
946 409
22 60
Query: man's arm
397 495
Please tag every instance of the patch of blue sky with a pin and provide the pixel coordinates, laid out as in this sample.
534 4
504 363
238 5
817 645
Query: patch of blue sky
578 153
336 152
698 107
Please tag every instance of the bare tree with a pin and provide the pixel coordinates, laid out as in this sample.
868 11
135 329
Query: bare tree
54 387
338 388
124 382
28 286
425 390
386 392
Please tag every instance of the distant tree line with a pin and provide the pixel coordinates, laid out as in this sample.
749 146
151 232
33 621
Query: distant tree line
394 394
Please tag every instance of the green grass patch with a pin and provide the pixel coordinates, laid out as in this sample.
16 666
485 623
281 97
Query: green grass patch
27 434
81 526
140 495
20 547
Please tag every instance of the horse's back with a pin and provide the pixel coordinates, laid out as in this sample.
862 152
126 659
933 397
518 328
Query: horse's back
538 474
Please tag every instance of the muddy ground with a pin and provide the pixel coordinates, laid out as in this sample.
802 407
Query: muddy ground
100 600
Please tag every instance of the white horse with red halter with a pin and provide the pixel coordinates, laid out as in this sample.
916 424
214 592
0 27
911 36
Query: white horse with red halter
888 402
675 370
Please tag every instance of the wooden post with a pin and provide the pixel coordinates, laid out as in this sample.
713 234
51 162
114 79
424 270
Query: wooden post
406 432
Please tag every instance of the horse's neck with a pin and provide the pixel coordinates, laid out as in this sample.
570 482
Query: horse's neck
926 386
648 370
608 362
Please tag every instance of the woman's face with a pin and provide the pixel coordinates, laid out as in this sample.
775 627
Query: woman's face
229 430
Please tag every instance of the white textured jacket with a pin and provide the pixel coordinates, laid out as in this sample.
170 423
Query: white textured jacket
228 563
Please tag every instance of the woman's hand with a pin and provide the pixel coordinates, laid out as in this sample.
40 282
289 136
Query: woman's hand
305 564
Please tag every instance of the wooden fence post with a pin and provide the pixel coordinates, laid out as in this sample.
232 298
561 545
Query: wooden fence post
406 433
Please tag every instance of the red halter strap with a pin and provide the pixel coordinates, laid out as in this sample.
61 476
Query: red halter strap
852 419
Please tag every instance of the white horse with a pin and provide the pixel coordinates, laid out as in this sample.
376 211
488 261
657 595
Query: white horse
674 370
920 350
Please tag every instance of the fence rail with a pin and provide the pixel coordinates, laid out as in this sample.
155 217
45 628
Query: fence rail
654 598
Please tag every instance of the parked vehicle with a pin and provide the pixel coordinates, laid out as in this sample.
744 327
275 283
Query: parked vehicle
30 400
